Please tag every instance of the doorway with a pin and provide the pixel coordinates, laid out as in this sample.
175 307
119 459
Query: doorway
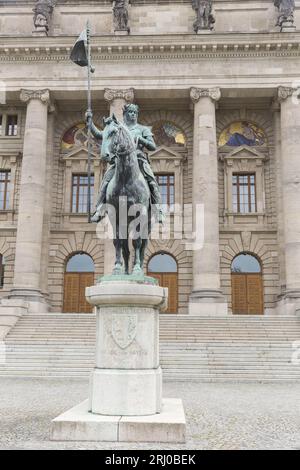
79 274
247 285
163 267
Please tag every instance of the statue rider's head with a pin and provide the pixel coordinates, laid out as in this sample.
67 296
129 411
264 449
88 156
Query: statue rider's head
130 113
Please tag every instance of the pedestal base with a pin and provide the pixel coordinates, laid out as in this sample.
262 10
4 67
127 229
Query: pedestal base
78 424
125 392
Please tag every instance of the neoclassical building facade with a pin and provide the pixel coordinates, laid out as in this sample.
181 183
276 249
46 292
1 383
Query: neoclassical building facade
223 103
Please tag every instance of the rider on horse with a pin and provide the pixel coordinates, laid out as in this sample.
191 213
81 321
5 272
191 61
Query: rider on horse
143 139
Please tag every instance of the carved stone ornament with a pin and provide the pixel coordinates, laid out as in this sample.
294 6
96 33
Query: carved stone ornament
212 93
121 16
286 10
124 329
42 14
43 95
127 95
204 15
285 92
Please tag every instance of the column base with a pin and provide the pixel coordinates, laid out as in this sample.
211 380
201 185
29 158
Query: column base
35 300
10 312
208 302
289 303
78 424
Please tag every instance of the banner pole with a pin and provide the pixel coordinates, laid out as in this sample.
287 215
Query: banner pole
89 103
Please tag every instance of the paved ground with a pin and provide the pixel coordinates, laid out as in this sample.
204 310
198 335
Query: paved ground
219 416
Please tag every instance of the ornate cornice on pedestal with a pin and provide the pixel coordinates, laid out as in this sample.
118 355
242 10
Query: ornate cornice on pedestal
213 93
285 92
42 95
127 95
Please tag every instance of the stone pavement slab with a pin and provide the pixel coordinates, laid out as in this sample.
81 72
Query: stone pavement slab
218 415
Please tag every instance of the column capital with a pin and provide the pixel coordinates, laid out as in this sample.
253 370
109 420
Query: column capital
213 93
42 95
111 95
284 92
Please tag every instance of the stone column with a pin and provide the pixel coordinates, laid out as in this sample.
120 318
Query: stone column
290 168
279 193
117 100
206 297
27 274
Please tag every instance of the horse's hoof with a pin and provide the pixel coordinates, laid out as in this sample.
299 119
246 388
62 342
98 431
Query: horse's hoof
117 270
137 270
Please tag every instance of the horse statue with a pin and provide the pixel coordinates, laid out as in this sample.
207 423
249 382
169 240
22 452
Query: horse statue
127 191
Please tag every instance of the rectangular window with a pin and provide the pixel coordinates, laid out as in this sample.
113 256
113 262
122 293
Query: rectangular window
11 125
166 185
80 193
1 271
244 193
4 190
1 120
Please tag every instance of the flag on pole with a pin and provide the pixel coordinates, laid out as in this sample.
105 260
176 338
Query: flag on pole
79 53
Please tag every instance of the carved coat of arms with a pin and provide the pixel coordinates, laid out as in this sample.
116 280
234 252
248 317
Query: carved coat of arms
124 329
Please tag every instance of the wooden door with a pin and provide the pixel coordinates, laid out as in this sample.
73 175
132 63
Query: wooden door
247 294
74 292
169 280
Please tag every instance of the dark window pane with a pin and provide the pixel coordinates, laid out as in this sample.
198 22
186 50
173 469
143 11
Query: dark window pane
2 263
4 189
11 125
80 193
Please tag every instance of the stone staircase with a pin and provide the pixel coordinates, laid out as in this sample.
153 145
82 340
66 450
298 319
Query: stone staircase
230 348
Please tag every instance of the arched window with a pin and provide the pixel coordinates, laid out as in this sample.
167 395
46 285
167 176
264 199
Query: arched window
162 263
163 267
242 133
247 285
245 263
76 136
2 264
80 263
169 134
79 275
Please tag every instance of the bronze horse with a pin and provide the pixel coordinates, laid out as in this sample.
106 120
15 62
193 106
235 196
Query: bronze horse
128 200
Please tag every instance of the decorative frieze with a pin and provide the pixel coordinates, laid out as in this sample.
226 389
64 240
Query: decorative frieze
213 93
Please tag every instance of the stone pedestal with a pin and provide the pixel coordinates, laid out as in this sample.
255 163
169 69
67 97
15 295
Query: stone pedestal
125 401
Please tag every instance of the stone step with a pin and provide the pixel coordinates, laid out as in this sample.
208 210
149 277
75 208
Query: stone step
191 348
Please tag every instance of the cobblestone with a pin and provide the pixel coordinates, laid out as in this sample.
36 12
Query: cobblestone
219 415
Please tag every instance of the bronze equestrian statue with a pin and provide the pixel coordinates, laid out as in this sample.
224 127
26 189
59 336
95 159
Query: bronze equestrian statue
129 176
